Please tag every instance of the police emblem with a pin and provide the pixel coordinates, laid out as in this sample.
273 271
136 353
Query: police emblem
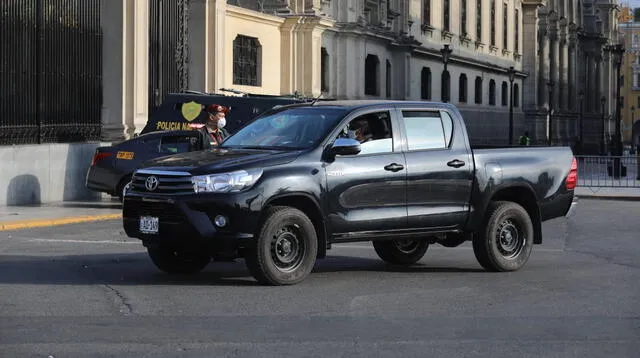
191 110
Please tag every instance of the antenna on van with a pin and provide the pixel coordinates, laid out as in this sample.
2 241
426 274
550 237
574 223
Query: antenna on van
316 99
234 91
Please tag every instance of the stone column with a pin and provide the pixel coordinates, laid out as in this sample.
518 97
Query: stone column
545 66
215 42
554 68
197 44
563 92
573 88
113 71
135 89
531 60
301 54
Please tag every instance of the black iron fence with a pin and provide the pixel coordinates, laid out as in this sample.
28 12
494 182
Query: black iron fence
609 171
168 50
50 71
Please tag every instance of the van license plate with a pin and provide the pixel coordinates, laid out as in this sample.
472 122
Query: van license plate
149 224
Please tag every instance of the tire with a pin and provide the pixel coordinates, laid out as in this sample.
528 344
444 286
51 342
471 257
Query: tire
401 252
506 240
174 262
284 251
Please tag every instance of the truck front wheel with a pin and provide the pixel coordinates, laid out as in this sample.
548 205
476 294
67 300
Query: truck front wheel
506 240
401 252
284 252
176 262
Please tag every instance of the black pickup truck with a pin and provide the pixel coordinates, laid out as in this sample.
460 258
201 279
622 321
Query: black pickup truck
401 174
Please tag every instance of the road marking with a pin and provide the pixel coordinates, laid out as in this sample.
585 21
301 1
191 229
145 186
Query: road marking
86 241
29 224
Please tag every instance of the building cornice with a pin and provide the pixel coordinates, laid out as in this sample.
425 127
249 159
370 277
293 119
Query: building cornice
253 16
482 65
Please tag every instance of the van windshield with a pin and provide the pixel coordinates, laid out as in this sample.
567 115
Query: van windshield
294 128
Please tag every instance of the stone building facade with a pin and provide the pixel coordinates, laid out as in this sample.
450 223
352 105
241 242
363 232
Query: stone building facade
630 32
570 71
392 49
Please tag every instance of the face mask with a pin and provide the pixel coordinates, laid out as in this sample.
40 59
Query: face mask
222 122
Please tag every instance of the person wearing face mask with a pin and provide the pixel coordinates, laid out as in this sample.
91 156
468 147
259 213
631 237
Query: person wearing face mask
216 121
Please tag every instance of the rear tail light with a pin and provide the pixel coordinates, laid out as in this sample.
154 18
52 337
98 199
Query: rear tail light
99 156
572 178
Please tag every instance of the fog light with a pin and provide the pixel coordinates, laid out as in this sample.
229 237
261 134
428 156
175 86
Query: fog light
220 221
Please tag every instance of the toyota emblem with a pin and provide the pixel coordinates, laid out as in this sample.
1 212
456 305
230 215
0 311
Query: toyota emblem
151 183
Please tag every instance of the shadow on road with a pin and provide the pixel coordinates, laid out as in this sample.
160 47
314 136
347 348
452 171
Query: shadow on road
137 269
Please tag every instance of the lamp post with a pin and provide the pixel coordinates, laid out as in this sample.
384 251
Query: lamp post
581 122
603 100
618 169
446 52
550 135
512 76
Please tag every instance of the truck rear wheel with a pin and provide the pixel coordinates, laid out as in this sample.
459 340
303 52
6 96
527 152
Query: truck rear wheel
284 252
175 262
401 252
506 240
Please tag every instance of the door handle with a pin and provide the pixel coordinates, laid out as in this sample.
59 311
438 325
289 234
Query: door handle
394 167
456 163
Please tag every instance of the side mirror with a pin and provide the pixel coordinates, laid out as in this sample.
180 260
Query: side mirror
345 146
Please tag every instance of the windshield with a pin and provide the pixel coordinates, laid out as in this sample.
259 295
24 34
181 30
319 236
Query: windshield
294 128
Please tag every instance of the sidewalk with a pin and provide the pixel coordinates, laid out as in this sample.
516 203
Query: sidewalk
46 215
25 217
608 193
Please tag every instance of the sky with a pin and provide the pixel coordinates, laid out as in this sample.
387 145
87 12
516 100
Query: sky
632 3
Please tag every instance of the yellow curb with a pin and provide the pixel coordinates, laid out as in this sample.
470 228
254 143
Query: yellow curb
29 224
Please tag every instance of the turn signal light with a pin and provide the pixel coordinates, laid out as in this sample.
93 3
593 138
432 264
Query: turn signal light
572 178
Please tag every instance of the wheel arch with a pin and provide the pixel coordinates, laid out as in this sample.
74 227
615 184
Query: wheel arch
524 197
308 205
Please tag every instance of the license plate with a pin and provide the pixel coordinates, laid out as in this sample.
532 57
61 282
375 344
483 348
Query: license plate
149 224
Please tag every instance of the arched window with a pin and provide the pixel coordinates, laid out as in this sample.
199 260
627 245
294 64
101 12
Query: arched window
247 60
425 83
462 88
388 79
324 70
505 93
478 90
492 93
371 75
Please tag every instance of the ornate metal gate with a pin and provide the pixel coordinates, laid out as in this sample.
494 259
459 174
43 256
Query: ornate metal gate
168 50
50 71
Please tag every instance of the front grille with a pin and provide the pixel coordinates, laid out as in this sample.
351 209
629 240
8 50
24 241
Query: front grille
162 182
165 212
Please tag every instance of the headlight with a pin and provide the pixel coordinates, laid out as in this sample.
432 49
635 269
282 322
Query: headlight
226 182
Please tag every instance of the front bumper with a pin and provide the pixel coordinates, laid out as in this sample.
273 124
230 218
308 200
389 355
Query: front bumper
188 220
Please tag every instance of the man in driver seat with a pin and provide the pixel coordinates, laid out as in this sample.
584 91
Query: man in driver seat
360 130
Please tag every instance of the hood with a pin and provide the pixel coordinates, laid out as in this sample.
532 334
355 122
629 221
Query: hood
221 159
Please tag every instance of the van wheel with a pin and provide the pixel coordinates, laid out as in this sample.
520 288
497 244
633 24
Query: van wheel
284 252
175 262
506 240
401 252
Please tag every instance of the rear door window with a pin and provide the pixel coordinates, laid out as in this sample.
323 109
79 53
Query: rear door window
427 129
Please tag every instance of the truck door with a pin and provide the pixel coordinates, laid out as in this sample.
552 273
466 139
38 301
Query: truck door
439 169
366 192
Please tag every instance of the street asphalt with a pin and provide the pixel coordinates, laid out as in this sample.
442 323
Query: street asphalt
87 290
